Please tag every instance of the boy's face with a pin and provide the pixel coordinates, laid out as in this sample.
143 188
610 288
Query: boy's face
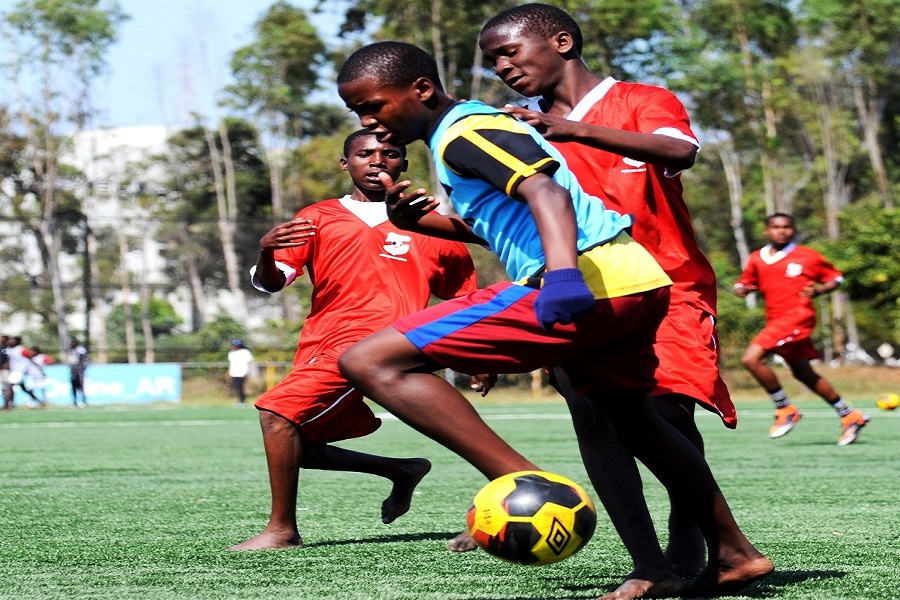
368 157
526 62
396 115
779 231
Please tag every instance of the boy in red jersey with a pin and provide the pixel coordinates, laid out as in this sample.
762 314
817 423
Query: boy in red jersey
627 144
365 274
789 276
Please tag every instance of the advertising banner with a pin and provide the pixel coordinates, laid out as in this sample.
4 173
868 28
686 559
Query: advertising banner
110 384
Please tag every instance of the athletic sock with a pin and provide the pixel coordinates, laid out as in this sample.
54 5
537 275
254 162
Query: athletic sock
842 407
780 398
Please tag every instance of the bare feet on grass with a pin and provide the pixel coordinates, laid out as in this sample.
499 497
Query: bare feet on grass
397 503
271 540
633 588
733 574
462 543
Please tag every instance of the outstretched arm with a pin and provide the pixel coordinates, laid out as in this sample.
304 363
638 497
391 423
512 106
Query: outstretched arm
416 211
671 152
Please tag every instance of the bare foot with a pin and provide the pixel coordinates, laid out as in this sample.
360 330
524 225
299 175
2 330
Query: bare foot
464 542
731 576
268 540
643 588
397 503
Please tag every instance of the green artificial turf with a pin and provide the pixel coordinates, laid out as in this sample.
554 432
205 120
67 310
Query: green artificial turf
142 503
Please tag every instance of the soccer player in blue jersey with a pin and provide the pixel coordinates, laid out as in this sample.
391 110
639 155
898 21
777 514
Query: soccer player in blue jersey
587 298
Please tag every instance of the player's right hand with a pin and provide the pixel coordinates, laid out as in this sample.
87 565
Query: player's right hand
405 210
291 234
551 127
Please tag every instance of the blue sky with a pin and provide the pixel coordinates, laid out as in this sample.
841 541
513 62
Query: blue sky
172 54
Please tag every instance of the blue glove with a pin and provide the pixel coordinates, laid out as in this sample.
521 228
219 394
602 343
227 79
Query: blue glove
564 298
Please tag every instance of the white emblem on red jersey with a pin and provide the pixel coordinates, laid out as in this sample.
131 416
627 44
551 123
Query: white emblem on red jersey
793 270
397 245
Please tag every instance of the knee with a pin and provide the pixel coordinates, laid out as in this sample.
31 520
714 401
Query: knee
360 365
351 363
750 361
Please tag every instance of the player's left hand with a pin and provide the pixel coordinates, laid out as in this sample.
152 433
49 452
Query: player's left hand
564 298
809 291
405 209
482 383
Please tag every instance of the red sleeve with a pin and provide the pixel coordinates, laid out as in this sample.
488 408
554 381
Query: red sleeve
456 272
296 258
661 111
748 277
826 271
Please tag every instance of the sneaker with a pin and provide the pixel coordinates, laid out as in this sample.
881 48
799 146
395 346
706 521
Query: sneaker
785 419
852 423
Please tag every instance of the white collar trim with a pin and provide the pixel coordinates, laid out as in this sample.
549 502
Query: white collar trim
771 258
591 98
372 214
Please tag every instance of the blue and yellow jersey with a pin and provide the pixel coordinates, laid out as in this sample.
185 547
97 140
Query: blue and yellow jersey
482 155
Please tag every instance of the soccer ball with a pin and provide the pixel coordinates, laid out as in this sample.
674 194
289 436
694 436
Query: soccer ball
888 401
532 518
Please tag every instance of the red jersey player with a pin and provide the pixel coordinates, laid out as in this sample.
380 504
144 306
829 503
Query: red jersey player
627 144
366 273
789 276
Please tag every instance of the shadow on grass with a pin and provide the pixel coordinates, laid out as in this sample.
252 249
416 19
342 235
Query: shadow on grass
397 537
770 587
773 585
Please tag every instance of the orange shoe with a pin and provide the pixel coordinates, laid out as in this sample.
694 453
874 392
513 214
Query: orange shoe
785 419
851 424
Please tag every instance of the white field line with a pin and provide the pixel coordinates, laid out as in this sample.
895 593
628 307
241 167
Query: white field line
487 415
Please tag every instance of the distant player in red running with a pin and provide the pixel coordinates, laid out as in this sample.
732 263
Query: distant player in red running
789 276
366 273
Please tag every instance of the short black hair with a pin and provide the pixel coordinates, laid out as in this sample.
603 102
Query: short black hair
348 141
541 19
777 215
395 64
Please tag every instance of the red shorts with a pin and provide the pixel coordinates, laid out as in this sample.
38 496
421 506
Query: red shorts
319 399
495 330
791 343
688 353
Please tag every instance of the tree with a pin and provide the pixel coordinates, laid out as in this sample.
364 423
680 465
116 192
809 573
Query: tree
60 45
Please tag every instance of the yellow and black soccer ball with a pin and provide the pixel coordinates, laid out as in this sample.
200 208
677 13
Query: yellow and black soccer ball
889 401
532 518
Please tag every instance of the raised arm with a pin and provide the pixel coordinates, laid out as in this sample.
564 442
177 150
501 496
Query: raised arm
291 234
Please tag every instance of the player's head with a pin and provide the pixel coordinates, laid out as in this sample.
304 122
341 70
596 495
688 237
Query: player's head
527 45
392 87
365 157
779 229
237 344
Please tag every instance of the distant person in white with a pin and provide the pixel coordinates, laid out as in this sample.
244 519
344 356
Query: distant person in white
77 359
239 361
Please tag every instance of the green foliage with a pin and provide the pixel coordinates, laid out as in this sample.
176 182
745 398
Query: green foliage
870 260
280 68
210 343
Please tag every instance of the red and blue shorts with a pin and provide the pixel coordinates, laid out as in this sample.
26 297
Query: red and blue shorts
495 330
316 397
